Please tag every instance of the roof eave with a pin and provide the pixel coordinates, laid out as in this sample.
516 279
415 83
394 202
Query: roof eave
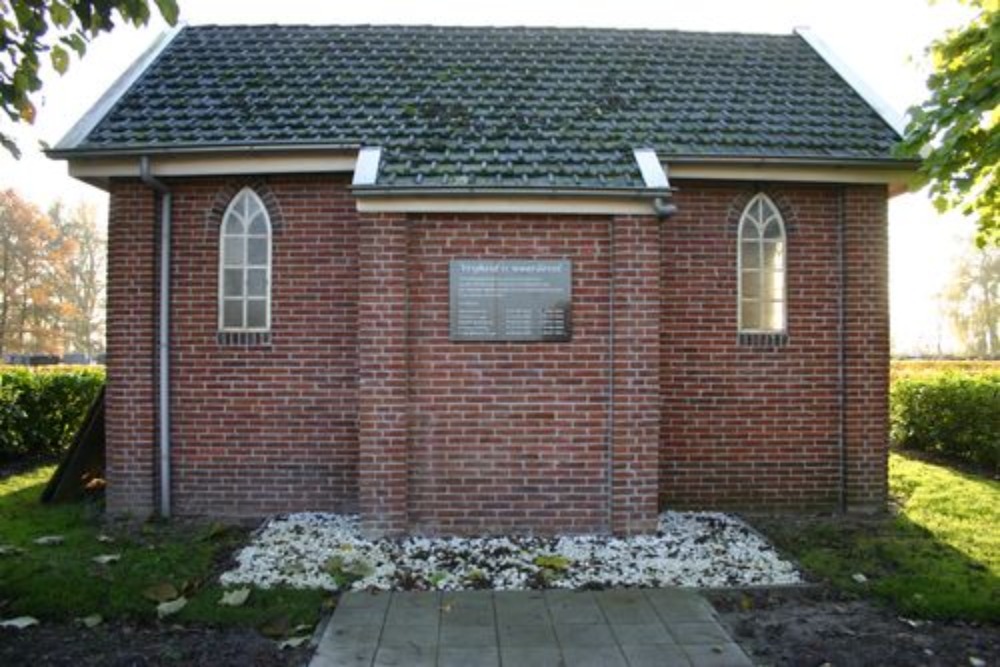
151 150
793 161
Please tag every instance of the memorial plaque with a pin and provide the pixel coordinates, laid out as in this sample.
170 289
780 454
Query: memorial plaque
510 300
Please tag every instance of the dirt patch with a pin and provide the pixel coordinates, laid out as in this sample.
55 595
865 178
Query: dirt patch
125 645
817 626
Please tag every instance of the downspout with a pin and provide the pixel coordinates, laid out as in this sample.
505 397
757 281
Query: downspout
610 444
163 342
841 353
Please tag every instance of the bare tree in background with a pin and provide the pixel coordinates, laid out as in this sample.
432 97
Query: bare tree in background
81 285
972 302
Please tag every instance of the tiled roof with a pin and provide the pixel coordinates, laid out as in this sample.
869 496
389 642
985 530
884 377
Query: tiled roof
497 107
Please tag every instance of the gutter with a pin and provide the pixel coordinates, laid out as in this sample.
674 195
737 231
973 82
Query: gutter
163 337
424 191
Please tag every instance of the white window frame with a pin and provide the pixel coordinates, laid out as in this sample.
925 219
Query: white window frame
221 296
745 219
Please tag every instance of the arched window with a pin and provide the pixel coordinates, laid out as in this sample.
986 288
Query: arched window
762 267
245 265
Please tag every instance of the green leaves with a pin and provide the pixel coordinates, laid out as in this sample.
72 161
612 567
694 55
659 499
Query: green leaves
169 10
56 27
60 14
60 59
957 129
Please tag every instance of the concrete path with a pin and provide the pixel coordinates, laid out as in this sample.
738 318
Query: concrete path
669 627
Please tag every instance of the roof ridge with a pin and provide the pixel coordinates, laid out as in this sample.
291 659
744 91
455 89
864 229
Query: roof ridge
496 28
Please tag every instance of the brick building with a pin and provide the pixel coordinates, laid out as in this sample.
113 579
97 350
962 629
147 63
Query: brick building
470 280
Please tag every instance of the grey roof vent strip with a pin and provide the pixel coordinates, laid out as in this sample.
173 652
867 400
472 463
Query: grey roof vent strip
867 93
651 169
366 169
122 84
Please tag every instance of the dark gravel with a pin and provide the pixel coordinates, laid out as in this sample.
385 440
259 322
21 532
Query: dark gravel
816 626
126 645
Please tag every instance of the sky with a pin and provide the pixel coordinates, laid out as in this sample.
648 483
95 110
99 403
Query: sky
883 41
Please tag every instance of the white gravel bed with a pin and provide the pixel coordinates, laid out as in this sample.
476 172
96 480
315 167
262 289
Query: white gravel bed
327 551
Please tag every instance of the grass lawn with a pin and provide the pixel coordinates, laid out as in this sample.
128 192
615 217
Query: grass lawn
938 556
64 582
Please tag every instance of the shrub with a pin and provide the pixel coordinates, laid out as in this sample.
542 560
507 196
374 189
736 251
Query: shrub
41 409
957 415
922 368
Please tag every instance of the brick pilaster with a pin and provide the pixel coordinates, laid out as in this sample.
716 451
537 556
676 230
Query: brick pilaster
131 347
867 343
636 271
383 422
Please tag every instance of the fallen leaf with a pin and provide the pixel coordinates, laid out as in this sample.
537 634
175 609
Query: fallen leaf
275 627
293 642
165 609
19 623
235 598
859 578
50 540
91 621
161 592
107 559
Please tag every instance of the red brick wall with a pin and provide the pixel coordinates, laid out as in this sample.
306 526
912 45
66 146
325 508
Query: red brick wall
758 426
508 435
637 402
360 386
131 326
867 336
267 428
384 423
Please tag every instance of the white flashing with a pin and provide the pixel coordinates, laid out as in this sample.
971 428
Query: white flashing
105 102
366 169
650 167
867 93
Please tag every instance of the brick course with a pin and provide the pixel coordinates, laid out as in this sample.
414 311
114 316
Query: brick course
360 401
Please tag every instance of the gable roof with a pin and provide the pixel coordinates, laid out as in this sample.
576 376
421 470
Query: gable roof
495 107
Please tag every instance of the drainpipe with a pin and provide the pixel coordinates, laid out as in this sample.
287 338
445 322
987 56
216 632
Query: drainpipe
841 353
163 342
663 208
610 444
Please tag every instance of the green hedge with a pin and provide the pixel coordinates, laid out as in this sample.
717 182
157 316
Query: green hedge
41 409
957 415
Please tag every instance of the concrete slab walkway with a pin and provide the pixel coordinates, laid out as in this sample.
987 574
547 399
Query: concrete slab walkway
662 627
